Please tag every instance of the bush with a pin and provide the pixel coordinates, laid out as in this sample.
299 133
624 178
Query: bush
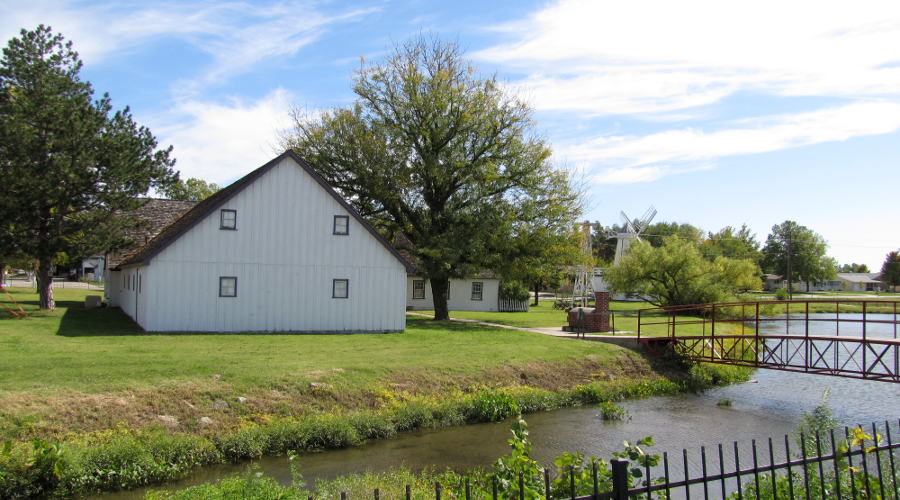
371 426
782 294
490 406
412 415
513 290
610 411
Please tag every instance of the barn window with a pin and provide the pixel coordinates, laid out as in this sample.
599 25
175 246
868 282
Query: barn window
340 289
228 219
477 288
341 225
418 289
227 286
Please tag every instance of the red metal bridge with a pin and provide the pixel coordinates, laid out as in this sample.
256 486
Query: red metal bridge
844 338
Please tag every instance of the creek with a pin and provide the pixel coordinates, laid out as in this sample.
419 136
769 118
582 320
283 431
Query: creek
770 405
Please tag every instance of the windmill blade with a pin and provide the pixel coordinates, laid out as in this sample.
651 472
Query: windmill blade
629 226
645 220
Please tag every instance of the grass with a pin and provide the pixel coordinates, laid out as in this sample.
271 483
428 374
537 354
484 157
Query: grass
92 379
544 316
81 370
74 348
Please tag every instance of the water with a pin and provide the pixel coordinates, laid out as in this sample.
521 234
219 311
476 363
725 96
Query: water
769 406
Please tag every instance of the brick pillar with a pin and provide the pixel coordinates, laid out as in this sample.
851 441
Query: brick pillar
601 307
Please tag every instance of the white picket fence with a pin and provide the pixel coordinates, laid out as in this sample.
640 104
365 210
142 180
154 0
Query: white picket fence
508 305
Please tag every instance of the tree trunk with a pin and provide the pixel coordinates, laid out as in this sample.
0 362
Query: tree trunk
537 289
2 274
45 283
439 289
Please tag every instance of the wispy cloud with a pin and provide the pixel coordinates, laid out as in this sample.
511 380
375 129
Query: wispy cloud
650 157
238 36
658 61
658 56
220 142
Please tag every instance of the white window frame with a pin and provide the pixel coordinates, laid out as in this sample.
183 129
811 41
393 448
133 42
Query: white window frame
334 228
222 221
222 281
480 293
334 288
417 283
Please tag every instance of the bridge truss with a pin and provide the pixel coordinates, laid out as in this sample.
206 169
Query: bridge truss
867 348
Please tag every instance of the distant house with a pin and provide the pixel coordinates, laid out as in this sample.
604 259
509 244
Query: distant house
277 250
861 282
478 293
856 282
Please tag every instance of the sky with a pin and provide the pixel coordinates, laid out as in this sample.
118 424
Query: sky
716 113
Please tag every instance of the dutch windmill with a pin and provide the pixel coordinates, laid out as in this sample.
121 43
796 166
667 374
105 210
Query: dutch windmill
632 231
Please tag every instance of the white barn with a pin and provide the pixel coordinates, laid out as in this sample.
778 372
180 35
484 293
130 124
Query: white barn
276 251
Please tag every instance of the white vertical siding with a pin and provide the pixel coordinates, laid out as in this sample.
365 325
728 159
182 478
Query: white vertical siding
111 287
460 295
285 257
132 295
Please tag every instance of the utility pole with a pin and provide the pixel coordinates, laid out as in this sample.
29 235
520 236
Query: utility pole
790 275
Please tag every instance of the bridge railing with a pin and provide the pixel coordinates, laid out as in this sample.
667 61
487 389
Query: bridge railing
805 317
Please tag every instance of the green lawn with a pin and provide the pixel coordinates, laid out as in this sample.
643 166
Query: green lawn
102 350
75 369
625 318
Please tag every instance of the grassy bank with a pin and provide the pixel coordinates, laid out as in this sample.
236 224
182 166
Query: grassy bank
130 408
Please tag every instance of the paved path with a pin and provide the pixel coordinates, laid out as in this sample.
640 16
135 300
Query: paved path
622 339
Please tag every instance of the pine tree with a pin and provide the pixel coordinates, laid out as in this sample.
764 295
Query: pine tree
68 162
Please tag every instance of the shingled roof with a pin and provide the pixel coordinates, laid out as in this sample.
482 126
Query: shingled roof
193 216
154 215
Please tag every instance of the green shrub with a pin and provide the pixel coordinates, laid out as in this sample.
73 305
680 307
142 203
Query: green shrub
513 290
412 415
450 412
371 426
250 486
491 406
782 294
611 411
247 442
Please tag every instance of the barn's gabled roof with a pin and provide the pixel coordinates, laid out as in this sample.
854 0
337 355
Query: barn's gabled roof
193 216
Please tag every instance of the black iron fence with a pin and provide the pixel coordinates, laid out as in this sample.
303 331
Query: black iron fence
851 463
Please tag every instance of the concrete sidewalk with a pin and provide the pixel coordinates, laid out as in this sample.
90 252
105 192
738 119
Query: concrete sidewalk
623 339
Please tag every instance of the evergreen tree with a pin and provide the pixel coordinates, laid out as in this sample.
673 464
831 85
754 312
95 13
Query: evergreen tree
890 270
68 162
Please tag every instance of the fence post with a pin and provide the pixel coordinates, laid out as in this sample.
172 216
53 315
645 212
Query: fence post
639 322
620 479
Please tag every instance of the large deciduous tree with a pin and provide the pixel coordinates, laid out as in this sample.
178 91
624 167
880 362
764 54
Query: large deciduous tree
890 270
449 159
797 252
676 273
69 163
192 189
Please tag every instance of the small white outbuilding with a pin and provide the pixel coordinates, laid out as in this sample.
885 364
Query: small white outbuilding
276 251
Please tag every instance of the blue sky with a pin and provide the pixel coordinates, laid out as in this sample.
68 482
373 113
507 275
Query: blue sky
718 113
